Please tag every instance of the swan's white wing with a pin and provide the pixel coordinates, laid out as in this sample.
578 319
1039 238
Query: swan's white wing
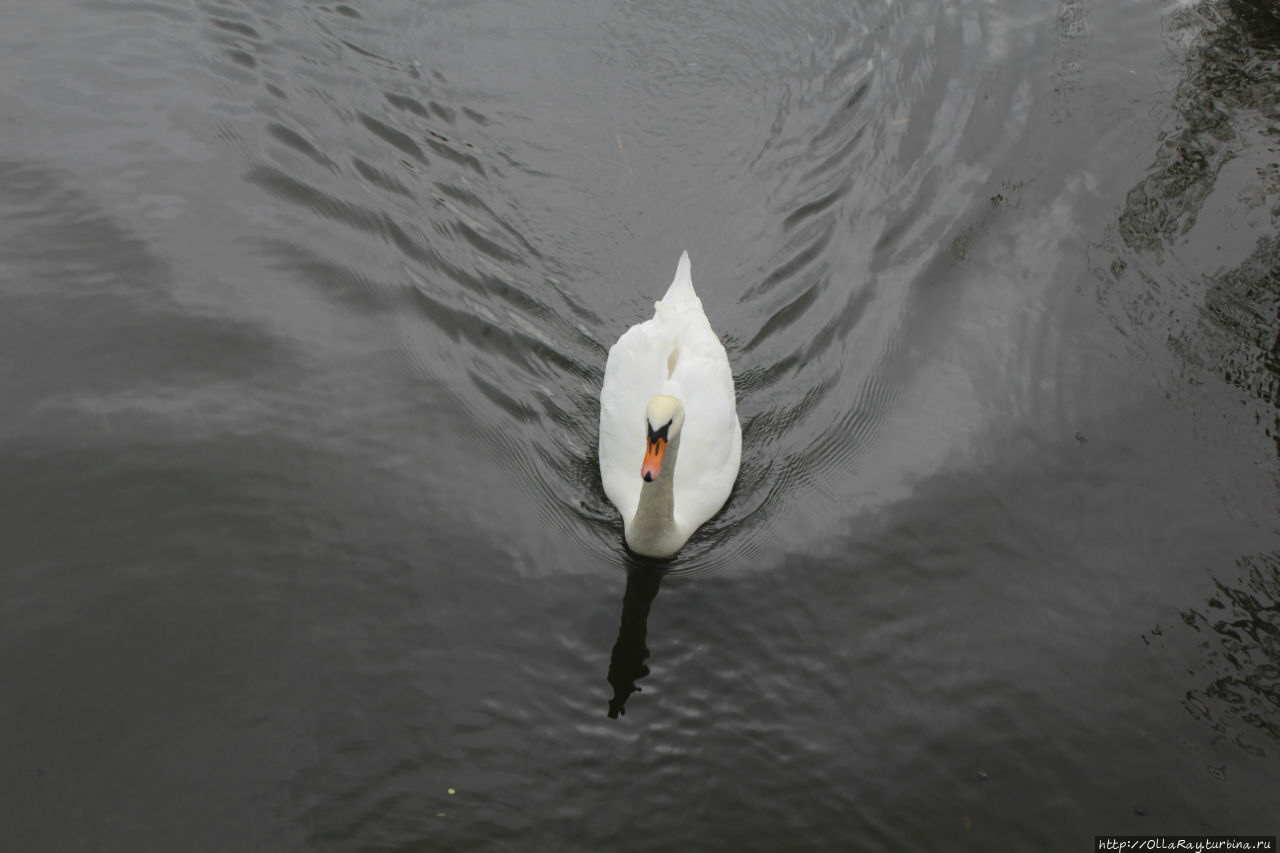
711 440
635 371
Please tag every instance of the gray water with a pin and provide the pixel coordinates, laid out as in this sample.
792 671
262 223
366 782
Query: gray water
304 309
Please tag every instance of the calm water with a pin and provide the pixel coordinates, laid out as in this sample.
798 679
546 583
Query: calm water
304 309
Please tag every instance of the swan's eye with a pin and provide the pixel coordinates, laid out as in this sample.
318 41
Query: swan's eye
655 434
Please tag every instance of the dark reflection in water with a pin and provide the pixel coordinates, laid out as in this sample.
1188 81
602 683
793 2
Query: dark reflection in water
1244 303
1241 647
1224 80
1217 100
627 661
1229 321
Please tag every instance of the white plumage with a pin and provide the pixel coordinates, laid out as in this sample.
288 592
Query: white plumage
675 354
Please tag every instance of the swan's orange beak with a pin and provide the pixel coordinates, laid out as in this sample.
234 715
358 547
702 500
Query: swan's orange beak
653 458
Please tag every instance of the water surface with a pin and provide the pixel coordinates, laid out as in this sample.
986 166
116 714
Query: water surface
304 309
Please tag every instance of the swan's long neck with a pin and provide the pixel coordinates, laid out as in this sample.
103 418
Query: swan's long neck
652 531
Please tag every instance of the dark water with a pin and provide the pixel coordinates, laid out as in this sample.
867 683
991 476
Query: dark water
304 309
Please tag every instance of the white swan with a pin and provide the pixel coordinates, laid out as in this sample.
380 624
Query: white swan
670 441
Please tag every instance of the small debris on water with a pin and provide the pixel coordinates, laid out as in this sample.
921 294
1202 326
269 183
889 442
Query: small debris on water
983 775
1141 811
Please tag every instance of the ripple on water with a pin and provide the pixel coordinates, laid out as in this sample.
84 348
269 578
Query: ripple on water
356 435
413 208
478 313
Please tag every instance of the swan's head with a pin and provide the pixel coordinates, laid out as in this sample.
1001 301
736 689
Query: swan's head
663 418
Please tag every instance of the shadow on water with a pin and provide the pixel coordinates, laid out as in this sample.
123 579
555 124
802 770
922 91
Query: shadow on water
627 660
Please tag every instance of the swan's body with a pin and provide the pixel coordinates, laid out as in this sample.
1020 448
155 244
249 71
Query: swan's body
667 406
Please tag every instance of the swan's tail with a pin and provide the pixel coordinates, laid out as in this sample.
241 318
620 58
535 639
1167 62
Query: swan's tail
681 289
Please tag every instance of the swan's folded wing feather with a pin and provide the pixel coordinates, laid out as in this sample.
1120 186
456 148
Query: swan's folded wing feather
681 290
711 441
634 372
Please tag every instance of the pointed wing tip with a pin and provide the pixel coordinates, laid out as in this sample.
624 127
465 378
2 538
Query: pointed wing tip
682 284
